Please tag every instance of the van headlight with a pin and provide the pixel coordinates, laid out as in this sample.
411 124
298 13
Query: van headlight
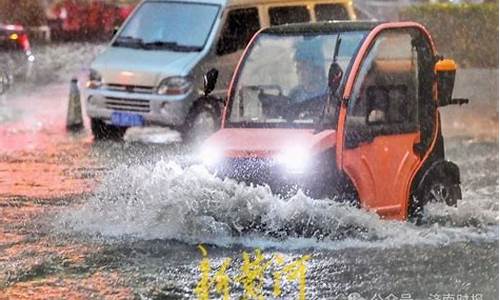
95 80
294 160
175 86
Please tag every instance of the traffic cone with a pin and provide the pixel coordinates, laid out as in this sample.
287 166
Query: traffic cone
74 120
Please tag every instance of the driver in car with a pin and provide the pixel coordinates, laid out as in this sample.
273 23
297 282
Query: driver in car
309 65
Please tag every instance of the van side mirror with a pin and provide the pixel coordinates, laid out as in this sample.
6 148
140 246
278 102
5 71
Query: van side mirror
209 81
115 30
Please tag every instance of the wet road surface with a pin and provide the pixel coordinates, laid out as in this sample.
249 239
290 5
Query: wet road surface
106 220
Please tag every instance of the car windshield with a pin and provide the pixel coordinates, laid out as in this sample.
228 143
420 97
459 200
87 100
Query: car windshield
283 81
177 26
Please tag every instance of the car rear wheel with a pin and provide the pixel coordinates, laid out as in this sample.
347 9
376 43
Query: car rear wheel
102 131
439 190
443 193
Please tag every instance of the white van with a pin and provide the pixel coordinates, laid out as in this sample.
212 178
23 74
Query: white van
152 71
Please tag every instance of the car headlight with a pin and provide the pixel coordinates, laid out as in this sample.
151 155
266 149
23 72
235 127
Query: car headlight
210 156
294 159
95 80
175 86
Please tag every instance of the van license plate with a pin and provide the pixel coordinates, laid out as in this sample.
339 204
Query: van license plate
126 119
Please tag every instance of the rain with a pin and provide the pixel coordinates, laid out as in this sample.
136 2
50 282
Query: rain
241 149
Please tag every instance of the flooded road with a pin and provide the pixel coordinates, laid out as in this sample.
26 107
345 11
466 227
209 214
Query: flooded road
106 220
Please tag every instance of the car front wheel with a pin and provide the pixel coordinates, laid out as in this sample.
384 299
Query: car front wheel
102 131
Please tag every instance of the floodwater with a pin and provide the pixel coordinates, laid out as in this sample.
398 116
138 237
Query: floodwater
106 220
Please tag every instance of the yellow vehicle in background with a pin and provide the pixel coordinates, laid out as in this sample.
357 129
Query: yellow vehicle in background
244 17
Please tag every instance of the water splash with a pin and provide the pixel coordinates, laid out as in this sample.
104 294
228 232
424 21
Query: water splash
165 201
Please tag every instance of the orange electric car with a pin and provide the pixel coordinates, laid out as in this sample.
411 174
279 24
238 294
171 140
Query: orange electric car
346 110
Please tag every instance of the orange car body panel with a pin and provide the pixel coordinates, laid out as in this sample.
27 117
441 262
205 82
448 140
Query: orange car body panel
262 142
380 171
383 170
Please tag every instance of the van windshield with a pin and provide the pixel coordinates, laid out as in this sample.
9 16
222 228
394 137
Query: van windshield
283 81
175 26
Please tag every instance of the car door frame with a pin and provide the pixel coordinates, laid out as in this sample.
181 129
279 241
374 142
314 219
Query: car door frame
393 213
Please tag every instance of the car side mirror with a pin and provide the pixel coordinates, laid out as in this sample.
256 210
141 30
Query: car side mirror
209 81
334 77
445 75
115 30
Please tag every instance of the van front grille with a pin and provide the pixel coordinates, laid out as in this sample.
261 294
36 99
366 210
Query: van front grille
139 89
133 105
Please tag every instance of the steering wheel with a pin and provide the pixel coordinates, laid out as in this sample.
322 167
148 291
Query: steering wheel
309 108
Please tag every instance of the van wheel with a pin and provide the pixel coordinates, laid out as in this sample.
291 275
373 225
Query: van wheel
102 131
202 121
439 190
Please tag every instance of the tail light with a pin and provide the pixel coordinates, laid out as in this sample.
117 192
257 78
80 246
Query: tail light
24 42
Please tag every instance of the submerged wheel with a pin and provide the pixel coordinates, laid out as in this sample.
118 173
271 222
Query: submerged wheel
443 193
439 189
202 121
102 131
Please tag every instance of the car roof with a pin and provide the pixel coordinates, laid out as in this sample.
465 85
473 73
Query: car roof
10 27
231 3
285 2
328 26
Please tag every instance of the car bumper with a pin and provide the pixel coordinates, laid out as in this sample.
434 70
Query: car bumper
314 181
155 109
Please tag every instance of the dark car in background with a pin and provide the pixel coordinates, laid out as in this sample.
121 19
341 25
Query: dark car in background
16 57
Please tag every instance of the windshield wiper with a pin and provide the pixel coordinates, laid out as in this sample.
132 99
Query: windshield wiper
332 91
174 46
128 41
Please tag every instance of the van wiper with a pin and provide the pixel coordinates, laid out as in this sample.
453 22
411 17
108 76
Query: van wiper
174 46
128 41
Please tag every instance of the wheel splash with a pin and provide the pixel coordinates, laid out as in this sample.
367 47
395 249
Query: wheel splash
164 201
